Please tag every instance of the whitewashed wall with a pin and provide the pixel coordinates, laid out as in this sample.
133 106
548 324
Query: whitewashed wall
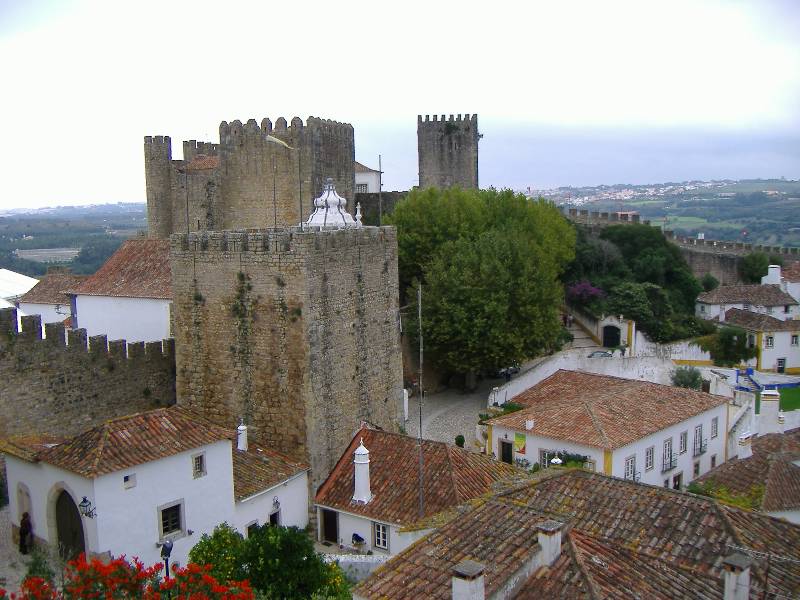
372 179
350 524
681 350
782 348
51 313
293 498
534 443
132 319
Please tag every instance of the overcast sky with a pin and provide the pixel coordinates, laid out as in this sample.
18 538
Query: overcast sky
567 93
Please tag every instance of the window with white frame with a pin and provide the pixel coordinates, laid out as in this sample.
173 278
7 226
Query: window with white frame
361 188
630 467
199 465
381 535
795 340
668 450
683 441
769 342
649 458
714 427
171 519
769 310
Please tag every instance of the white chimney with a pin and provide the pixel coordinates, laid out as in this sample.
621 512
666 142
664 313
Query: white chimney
745 445
781 422
528 424
361 493
769 417
549 533
241 437
736 571
773 275
468 581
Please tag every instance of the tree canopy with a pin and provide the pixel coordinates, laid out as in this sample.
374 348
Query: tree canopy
728 346
489 262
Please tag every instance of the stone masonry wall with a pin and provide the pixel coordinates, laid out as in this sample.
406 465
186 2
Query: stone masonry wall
448 151
257 184
295 332
370 205
53 387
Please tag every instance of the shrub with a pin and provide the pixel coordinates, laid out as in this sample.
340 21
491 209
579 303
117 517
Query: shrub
687 377
460 440
222 550
709 282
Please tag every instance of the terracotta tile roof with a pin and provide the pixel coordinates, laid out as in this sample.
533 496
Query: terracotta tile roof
758 322
202 162
759 295
259 469
603 411
132 440
359 168
52 289
139 269
28 446
791 272
771 465
451 475
621 540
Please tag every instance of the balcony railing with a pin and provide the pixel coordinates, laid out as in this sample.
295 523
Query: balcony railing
669 463
636 476
700 447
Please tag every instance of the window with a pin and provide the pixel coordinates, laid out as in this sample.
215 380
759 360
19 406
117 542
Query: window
714 427
787 308
275 518
649 458
199 465
381 536
677 481
751 341
171 519
252 528
713 460
630 468
702 308
769 310
697 469
769 342
683 441
794 340
361 188
746 306
666 483
129 481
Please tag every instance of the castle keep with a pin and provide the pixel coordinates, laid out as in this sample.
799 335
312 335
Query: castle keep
256 176
448 151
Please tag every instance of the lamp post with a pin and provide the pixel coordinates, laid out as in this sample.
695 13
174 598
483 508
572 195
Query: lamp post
166 550
86 509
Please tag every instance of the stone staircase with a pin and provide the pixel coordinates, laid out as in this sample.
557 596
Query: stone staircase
581 339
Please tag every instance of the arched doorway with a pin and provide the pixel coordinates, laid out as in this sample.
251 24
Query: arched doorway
611 336
68 526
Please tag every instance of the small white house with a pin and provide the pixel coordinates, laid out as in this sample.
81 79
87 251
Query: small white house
657 434
368 181
50 298
371 500
131 483
129 297
765 299
778 341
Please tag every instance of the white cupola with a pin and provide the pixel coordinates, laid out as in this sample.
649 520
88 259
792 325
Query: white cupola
361 492
330 210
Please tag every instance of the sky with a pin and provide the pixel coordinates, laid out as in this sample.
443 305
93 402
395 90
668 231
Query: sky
567 93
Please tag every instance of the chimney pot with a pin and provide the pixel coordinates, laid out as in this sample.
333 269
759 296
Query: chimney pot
468 581
241 437
736 572
549 533
745 445
361 491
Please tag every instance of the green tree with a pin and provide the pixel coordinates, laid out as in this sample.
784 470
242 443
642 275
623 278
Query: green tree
753 267
645 303
709 282
687 377
222 550
491 288
728 346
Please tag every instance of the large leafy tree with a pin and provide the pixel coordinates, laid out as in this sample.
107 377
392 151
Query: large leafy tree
489 263
728 346
753 267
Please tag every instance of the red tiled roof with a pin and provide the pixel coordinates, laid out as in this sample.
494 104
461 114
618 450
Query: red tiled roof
759 295
620 540
359 168
139 269
52 288
202 162
603 411
771 466
758 322
27 447
791 272
451 475
260 468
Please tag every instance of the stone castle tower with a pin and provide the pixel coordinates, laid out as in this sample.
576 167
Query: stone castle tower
448 151
256 176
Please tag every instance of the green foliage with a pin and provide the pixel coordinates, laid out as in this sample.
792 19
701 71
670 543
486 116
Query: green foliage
222 550
709 282
750 500
460 440
728 346
508 407
38 566
279 562
753 267
687 377
489 262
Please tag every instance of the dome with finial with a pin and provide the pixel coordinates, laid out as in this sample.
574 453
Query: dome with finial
330 210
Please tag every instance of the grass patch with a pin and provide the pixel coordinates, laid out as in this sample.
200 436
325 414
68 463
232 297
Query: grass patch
790 398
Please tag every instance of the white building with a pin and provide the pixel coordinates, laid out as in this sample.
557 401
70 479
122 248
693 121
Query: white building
50 298
787 278
778 341
13 285
129 297
764 299
656 434
371 499
368 181
127 485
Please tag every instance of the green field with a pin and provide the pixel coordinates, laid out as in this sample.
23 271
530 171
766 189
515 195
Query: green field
790 398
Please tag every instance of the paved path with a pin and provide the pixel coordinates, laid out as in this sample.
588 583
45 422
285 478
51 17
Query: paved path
12 566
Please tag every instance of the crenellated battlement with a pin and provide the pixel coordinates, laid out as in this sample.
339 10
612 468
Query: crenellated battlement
158 140
452 119
230 132
192 148
729 247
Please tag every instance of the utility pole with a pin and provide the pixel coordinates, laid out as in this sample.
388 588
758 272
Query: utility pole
421 398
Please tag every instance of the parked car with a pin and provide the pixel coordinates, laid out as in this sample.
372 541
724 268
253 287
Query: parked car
601 354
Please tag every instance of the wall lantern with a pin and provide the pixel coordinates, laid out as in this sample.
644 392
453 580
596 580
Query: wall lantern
276 504
86 508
